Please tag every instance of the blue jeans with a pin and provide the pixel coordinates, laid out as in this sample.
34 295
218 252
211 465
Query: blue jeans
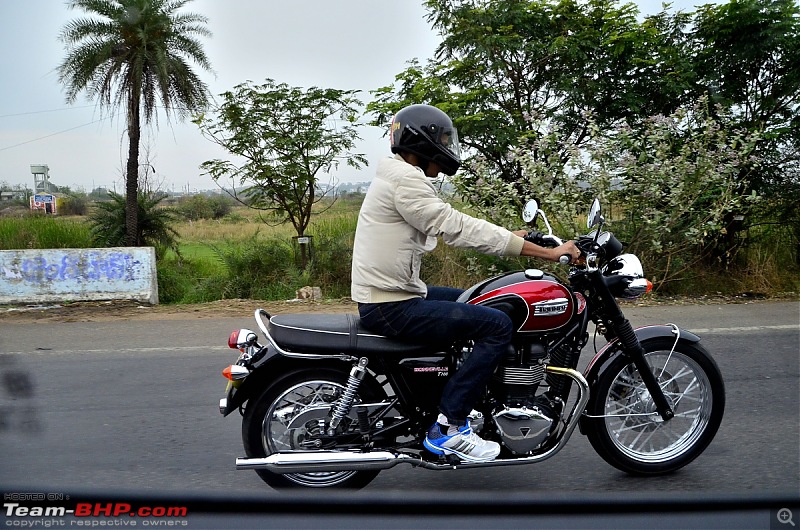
439 318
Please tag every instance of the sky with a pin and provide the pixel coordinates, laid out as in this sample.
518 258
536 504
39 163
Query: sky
344 44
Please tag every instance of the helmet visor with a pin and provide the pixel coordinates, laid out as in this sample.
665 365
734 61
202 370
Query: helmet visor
447 138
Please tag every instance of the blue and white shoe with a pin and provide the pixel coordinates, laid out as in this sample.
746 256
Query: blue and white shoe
466 445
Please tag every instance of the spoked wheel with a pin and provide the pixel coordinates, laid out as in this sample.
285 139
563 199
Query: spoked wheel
628 432
290 416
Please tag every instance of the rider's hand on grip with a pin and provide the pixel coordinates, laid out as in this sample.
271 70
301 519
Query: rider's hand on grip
535 237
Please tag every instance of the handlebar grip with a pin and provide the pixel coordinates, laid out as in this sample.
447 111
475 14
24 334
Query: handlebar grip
535 237
565 259
553 241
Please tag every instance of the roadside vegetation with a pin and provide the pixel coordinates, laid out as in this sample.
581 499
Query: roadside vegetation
685 125
239 256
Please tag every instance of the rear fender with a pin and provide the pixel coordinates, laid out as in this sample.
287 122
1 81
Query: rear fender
270 370
613 349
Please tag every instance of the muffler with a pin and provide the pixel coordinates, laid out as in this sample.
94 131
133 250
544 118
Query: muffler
321 461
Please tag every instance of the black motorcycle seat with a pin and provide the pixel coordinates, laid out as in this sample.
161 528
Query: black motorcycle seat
337 333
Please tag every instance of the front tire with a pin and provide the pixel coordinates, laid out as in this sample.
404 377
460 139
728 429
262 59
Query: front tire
284 418
625 428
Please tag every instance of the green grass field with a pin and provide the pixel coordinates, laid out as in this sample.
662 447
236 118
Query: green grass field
242 256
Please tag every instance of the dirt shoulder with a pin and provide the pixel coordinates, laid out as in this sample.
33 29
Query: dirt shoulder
129 310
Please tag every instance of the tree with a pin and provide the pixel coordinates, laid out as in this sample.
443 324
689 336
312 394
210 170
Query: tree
512 72
285 137
507 66
668 186
136 54
199 207
154 227
74 204
748 59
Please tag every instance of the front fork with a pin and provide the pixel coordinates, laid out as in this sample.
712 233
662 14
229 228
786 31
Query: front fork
633 349
631 346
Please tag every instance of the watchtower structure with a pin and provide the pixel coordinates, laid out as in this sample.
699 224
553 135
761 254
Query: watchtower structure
41 178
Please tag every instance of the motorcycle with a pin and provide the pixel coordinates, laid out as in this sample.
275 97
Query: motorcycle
327 403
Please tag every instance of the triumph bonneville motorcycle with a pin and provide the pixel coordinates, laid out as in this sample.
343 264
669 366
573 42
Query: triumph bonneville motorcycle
327 403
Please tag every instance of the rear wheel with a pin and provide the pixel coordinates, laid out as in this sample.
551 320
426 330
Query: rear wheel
286 417
625 428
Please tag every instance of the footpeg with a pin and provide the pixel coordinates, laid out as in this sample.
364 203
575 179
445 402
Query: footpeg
451 460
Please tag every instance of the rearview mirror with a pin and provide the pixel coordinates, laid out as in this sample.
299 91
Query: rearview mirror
595 218
530 211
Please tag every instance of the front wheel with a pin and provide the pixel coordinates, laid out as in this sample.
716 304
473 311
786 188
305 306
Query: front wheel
288 417
625 428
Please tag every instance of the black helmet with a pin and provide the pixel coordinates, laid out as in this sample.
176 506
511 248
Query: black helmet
428 133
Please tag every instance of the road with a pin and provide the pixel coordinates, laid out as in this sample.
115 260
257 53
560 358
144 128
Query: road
132 406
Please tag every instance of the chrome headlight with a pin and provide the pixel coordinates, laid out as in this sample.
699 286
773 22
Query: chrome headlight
627 269
624 265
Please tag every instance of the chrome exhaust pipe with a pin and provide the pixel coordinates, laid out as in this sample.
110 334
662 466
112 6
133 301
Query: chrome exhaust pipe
321 461
326 461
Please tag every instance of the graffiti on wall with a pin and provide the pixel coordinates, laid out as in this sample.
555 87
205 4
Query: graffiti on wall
85 267
78 274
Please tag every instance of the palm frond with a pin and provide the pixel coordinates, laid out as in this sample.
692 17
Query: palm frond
133 55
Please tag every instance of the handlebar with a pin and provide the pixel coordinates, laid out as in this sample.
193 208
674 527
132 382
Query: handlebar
548 241
535 237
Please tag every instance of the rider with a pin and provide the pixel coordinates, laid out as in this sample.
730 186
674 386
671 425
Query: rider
399 221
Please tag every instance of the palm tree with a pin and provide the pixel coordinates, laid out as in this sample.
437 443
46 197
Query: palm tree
154 227
135 54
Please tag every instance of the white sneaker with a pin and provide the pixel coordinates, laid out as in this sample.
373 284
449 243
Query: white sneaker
466 445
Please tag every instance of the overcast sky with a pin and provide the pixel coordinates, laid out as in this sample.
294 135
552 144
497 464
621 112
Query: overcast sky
346 44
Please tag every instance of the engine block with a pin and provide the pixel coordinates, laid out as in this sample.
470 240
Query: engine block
524 429
520 375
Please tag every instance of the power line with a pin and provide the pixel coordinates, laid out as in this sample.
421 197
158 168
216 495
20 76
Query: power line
360 121
43 111
181 109
55 133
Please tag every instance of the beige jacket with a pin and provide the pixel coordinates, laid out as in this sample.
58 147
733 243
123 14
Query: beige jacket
400 219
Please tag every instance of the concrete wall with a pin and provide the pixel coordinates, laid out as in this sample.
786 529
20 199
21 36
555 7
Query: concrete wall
60 275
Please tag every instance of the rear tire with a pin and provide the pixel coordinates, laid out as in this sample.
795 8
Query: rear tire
267 425
627 431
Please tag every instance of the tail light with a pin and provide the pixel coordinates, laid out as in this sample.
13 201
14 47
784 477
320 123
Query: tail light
241 338
233 340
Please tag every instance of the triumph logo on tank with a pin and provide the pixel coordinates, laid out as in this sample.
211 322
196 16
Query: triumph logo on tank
557 306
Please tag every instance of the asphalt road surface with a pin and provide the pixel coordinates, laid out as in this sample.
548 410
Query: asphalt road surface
131 406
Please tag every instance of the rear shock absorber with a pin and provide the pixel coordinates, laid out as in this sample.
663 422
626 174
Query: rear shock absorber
344 404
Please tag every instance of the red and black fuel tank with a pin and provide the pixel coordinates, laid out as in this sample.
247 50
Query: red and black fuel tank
535 301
